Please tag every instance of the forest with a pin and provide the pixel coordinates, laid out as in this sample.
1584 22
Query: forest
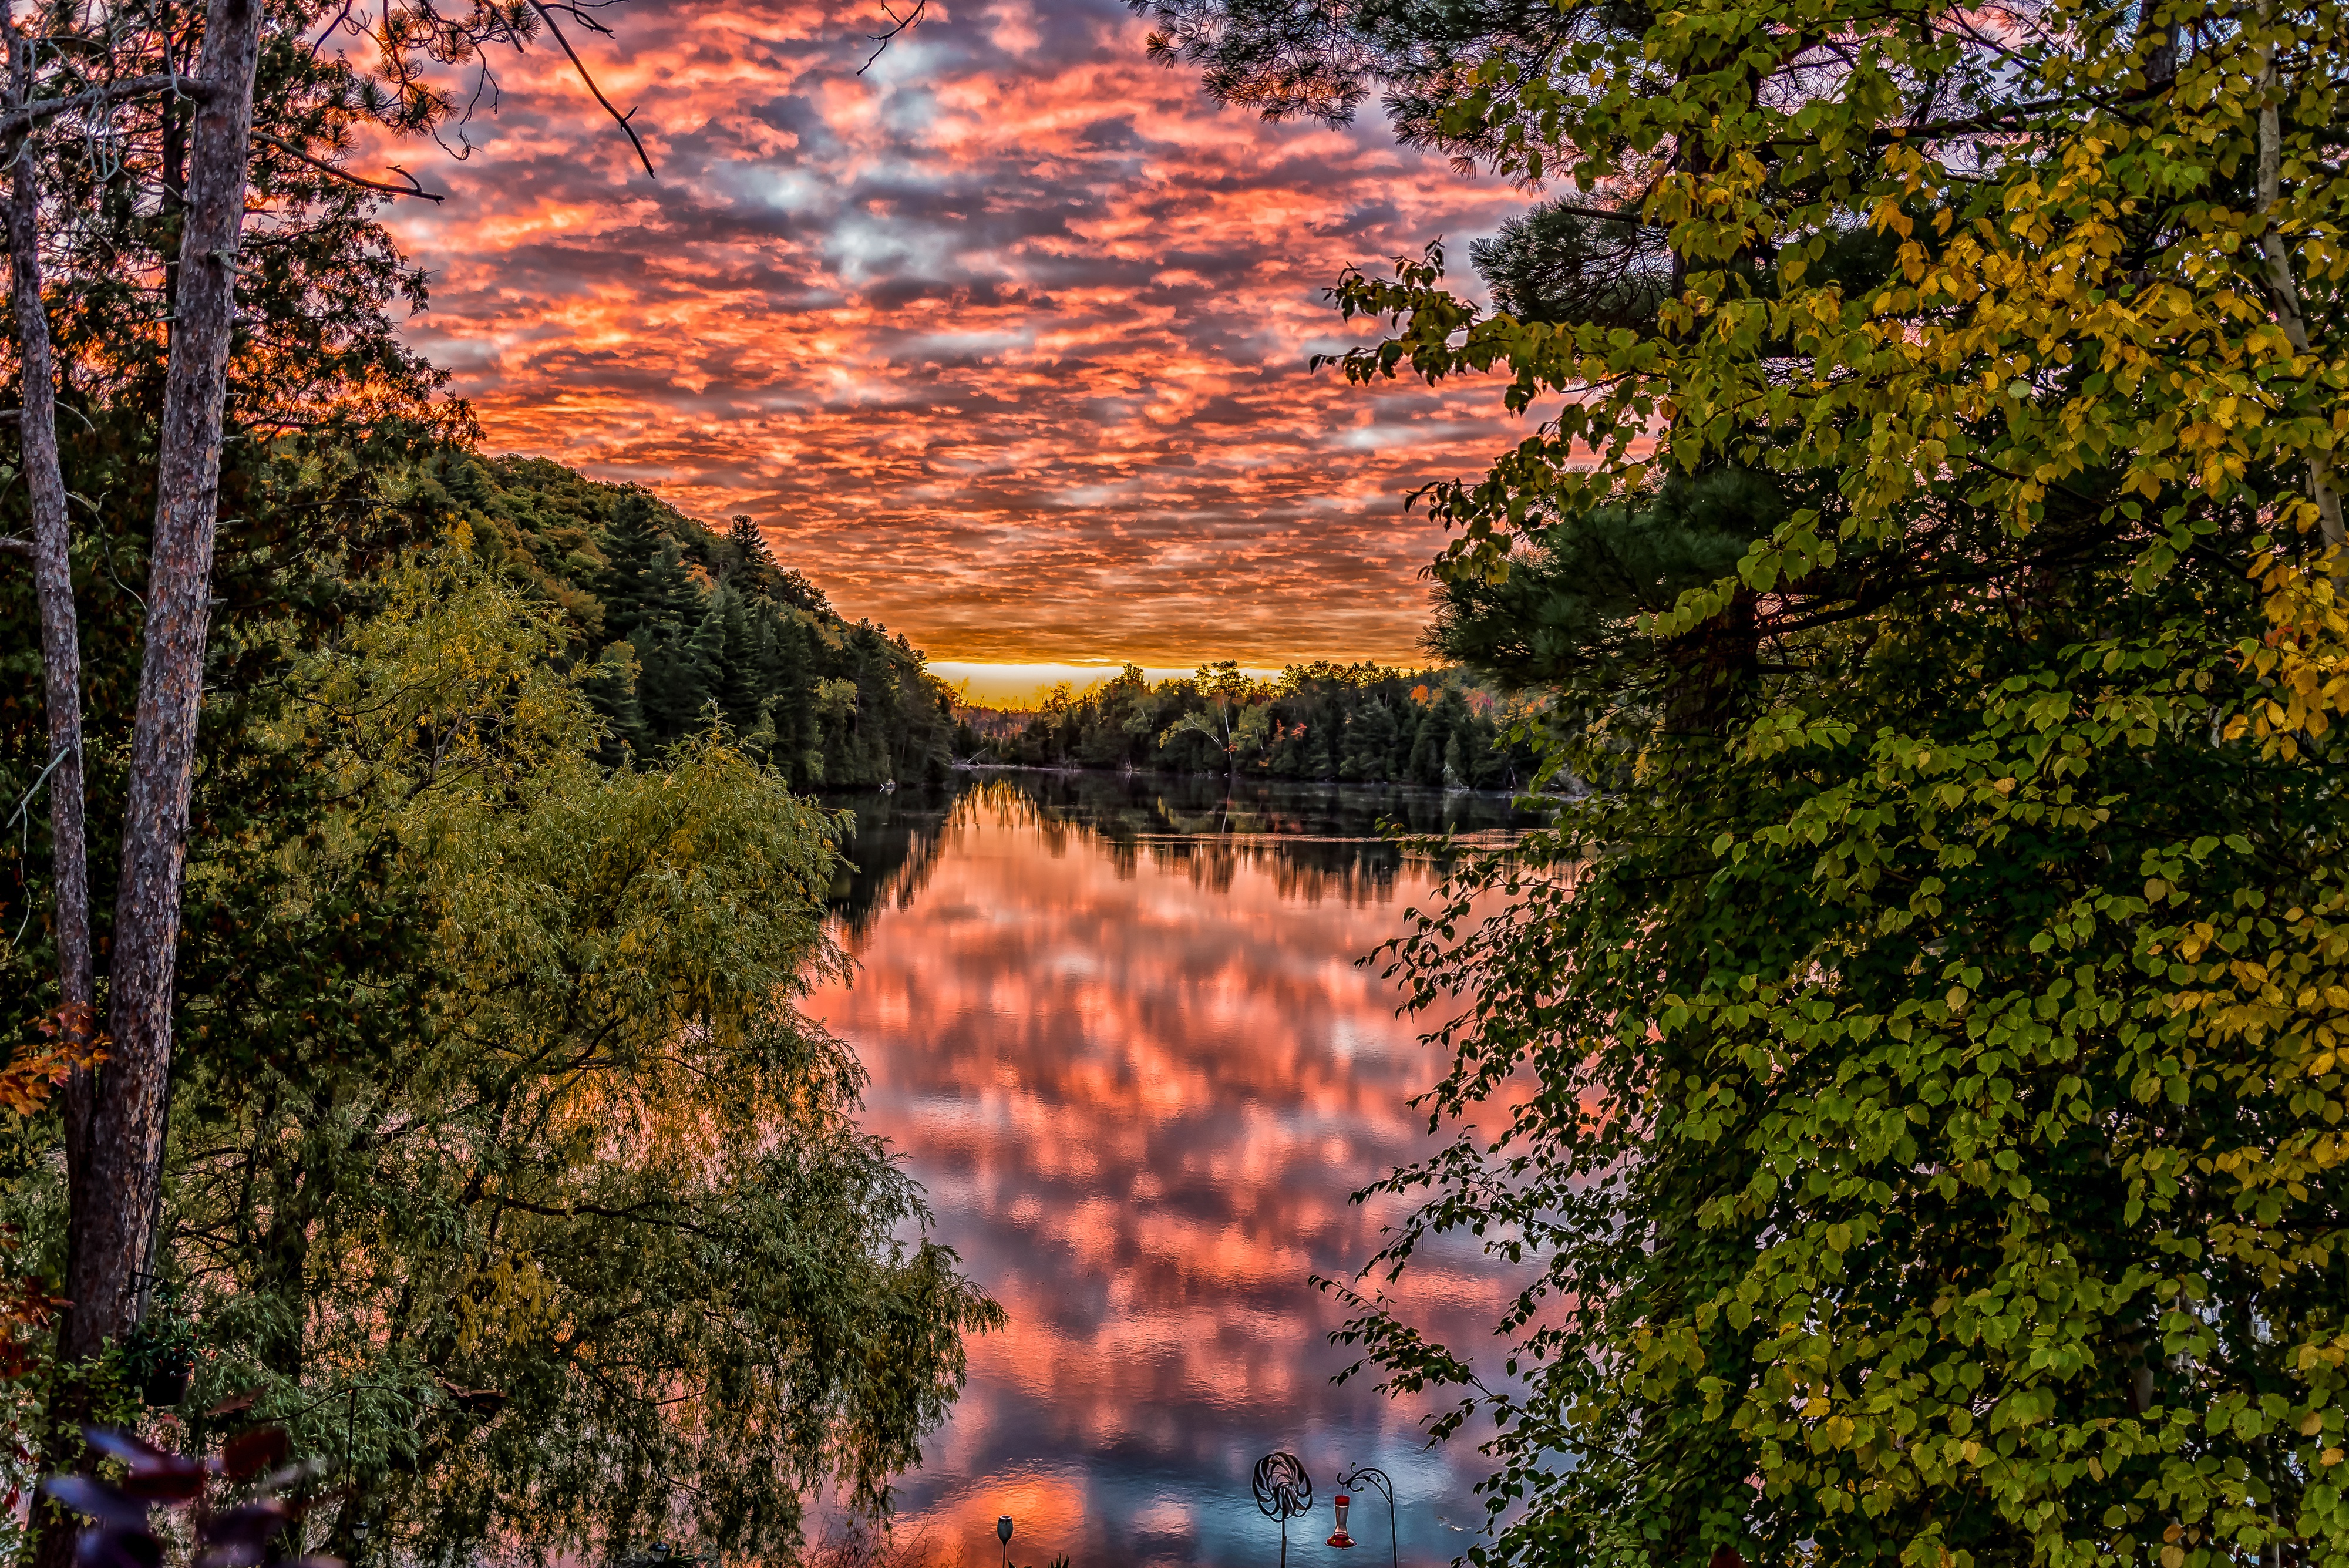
679 626
1357 723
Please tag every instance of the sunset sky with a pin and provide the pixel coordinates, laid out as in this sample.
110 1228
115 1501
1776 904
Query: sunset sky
1004 342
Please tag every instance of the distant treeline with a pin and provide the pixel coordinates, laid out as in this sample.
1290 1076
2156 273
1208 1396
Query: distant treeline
1359 721
683 625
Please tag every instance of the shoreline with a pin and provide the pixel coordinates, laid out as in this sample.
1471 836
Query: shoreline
962 765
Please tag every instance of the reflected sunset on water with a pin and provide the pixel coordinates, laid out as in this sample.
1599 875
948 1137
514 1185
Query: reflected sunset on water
1120 1032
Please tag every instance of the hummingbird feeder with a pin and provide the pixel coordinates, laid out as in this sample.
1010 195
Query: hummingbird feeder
1339 1537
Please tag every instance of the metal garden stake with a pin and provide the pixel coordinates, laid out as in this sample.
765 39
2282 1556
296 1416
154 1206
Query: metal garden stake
1283 1491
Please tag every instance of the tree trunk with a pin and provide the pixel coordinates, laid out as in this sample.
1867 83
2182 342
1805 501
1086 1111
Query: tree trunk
2284 290
111 1197
45 486
111 1207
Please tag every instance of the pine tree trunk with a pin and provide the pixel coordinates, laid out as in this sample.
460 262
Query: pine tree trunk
114 1131
52 585
111 1197
111 1208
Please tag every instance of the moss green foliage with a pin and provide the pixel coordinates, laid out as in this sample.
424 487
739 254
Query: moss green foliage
1910 1084
1359 723
503 1170
592 1249
684 626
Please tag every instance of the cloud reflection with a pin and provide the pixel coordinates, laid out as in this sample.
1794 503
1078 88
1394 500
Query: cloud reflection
1140 1074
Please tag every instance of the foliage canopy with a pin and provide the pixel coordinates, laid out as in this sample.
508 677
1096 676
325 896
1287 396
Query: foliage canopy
1918 1063
593 1242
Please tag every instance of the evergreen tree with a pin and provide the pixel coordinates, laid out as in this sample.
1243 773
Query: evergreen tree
1368 738
1556 263
740 694
1426 764
632 547
668 689
751 566
610 688
705 644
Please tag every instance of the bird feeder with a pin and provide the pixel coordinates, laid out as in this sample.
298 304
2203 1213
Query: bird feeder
1339 1537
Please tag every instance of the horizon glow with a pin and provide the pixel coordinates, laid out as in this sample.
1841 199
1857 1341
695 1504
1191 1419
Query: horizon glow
1024 686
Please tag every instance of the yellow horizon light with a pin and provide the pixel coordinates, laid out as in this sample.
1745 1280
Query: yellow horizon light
1026 685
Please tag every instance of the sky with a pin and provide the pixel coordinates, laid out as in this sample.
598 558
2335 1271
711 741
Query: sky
1004 343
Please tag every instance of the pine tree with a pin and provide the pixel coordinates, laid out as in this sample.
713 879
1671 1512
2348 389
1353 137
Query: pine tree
706 643
740 692
751 566
668 689
611 688
633 546
1368 738
670 596
1426 766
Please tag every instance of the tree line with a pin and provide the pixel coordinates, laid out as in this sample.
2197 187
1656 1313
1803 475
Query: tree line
1358 724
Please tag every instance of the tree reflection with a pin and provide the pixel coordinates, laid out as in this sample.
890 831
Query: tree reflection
1318 840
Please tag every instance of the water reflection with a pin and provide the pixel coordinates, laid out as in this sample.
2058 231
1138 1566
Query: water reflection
1117 1028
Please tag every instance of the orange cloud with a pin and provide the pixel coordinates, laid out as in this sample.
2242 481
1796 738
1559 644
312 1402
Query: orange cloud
1004 342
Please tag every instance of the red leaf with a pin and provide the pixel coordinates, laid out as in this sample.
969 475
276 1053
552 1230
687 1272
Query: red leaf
248 1453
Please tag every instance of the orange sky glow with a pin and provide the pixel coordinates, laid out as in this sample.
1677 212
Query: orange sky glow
1004 342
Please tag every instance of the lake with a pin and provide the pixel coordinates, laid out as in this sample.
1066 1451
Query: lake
1117 1028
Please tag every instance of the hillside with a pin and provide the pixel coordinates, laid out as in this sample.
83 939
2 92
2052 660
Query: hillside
682 624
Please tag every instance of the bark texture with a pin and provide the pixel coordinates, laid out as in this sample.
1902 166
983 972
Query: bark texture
113 1205
53 587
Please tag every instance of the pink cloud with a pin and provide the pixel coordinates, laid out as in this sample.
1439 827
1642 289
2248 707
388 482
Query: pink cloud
1004 341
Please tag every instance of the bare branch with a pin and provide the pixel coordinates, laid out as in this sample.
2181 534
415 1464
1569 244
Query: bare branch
17 121
581 66
320 41
16 547
410 189
577 11
897 25
1630 216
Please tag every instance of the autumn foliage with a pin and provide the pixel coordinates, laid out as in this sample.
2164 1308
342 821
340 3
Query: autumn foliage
1912 1084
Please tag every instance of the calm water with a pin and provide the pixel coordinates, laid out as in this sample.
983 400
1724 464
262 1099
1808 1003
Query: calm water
1116 1027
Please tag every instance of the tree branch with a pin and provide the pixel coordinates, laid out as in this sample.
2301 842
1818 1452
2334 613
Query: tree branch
2006 119
320 164
17 121
1631 217
897 25
581 67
